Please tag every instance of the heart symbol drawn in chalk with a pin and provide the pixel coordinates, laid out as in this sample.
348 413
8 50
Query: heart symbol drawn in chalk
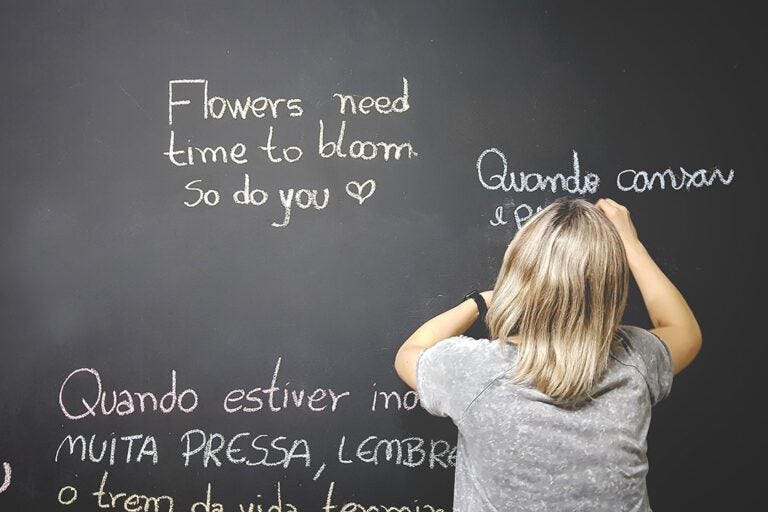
359 193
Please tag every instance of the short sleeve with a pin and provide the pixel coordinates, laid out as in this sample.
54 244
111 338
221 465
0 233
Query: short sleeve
449 375
655 359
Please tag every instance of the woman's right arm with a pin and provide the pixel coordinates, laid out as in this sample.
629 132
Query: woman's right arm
673 320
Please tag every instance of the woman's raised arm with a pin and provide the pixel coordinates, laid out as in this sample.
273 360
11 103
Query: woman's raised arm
672 318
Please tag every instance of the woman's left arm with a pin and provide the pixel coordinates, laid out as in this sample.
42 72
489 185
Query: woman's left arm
446 325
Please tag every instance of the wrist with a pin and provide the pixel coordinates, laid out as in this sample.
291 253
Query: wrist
635 251
471 309
478 302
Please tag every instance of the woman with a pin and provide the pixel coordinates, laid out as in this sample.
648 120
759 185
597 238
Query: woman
553 410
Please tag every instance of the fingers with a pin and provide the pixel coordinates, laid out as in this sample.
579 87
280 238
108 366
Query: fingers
607 200
619 216
606 204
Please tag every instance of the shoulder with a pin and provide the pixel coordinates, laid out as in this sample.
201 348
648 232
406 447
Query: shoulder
452 372
461 359
462 348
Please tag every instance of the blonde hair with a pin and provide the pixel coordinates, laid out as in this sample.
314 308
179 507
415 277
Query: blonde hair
562 290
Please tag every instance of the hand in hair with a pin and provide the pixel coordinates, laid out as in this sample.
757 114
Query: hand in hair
619 217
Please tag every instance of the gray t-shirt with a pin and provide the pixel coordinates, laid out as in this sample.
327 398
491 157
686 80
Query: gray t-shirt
518 450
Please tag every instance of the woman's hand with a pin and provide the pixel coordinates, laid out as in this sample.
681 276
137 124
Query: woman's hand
619 217
487 295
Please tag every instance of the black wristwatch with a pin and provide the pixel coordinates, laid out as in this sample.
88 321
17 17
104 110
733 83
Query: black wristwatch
482 307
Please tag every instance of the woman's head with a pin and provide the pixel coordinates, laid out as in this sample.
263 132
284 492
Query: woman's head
561 291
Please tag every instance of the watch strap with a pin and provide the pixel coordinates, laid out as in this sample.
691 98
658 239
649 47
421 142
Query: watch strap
482 307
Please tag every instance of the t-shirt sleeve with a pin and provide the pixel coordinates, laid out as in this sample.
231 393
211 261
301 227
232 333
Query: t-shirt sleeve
445 376
656 361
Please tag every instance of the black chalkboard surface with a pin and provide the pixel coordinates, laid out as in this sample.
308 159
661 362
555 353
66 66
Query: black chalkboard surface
221 220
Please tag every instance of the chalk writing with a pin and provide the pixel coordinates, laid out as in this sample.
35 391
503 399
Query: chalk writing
89 451
212 506
408 401
125 402
304 199
410 452
186 156
255 197
263 450
521 214
352 506
290 154
301 197
275 398
130 502
355 190
217 107
365 149
382 104
209 197
193 95
208 505
531 182
67 495
640 181
6 477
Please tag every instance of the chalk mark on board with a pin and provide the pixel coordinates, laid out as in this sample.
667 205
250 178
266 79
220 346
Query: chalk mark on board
136 102
317 475
106 146
358 194
430 300
6 478
61 158
102 143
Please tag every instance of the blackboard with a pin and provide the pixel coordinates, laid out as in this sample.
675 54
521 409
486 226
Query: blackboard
125 269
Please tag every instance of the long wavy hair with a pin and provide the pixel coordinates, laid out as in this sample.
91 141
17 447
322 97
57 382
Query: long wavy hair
561 291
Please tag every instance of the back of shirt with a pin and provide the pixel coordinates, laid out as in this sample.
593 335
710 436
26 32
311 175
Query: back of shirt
519 450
